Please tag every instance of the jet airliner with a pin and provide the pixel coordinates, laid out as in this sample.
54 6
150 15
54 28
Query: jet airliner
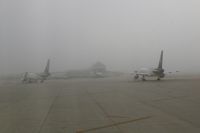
154 72
29 77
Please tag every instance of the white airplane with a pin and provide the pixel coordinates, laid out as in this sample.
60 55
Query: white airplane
29 77
151 72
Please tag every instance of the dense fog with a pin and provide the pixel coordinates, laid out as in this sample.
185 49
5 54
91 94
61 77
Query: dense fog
123 34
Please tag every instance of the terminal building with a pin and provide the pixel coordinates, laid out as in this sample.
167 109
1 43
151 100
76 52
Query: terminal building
96 70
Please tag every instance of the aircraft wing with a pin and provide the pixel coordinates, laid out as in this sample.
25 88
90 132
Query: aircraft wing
144 72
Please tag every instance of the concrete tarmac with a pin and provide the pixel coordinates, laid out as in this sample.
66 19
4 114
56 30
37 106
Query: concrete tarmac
109 105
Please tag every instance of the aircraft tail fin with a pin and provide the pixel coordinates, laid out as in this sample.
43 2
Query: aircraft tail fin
46 70
161 60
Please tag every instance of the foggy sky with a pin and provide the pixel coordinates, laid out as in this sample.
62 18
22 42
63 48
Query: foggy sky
123 34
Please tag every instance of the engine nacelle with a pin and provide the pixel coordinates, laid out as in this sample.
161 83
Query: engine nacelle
136 76
162 75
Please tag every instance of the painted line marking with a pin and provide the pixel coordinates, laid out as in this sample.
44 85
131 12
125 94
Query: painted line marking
112 125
